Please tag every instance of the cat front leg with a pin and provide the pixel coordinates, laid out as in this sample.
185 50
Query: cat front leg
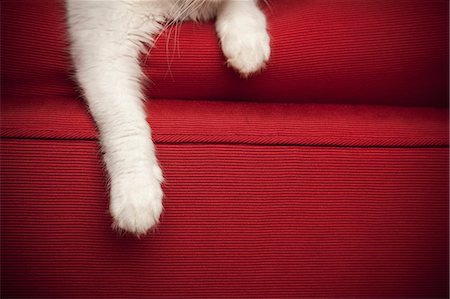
241 27
107 38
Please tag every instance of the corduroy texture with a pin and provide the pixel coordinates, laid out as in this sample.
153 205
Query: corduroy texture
247 214
240 221
357 52
177 121
261 199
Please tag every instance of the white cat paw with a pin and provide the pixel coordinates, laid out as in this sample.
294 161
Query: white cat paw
246 52
136 201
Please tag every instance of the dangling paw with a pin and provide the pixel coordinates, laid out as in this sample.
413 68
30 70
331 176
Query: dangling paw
136 201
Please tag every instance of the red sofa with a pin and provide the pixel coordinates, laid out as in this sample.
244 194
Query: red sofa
324 176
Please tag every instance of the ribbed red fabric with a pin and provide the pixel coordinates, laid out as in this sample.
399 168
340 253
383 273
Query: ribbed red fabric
369 52
34 52
257 213
178 121
316 198
240 221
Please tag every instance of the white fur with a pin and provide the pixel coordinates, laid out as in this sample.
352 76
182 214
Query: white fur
107 38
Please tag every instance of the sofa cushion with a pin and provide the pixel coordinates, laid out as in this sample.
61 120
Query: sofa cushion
240 221
181 121
316 198
357 52
261 200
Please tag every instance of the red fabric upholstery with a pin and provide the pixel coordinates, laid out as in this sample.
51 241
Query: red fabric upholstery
362 52
313 198
178 121
359 52
240 221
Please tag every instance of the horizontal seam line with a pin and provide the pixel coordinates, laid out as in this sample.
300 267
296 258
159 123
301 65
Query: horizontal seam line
241 143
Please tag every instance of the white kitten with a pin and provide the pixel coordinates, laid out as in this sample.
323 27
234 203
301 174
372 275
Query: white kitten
107 38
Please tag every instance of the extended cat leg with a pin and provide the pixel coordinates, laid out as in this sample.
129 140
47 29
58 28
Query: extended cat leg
106 39
241 27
